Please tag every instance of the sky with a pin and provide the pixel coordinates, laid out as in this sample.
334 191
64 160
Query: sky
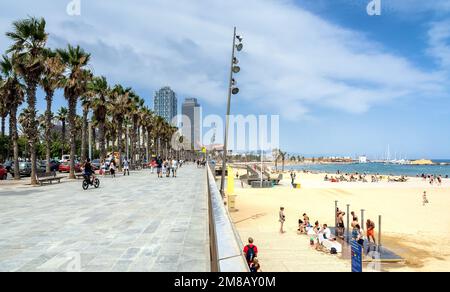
342 82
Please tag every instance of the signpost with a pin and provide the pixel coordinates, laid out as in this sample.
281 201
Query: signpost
356 257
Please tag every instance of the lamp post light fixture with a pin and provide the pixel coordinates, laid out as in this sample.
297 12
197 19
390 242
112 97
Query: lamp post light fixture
232 90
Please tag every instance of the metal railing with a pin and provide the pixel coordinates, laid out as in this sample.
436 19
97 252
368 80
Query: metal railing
226 245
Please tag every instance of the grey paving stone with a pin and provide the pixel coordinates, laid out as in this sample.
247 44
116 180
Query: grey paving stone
128 224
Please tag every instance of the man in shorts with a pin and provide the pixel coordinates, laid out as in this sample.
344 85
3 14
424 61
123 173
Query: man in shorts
159 164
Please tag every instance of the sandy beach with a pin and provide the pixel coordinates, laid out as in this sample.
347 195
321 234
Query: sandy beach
421 235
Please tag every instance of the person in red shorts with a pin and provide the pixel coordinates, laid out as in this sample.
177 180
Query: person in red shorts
250 251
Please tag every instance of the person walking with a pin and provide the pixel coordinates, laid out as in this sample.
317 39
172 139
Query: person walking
282 219
250 251
425 199
293 177
159 165
126 167
174 167
112 168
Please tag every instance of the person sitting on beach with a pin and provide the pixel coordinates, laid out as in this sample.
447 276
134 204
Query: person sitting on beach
314 240
301 226
326 232
326 178
250 251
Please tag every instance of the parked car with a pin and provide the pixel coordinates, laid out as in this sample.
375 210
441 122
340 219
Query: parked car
54 164
3 172
65 158
65 167
25 168
96 164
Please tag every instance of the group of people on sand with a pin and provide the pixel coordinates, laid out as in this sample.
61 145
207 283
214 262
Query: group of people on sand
357 231
432 179
318 233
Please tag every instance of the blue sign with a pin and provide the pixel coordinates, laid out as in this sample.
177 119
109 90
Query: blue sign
356 257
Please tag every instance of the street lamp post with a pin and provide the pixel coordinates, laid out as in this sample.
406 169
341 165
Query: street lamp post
231 90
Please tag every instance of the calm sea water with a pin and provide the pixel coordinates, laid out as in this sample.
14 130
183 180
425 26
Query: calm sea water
374 168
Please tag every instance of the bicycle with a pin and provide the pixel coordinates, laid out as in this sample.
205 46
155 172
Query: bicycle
95 182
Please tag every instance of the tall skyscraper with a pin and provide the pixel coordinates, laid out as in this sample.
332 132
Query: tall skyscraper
165 104
191 111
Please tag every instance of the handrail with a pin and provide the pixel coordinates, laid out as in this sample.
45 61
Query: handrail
226 245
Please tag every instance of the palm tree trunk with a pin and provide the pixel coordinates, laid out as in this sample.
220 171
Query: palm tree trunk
119 142
48 128
3 125
149 147
15 138
139 144
101 134
84 134
133 147
73 134
32 131
63 137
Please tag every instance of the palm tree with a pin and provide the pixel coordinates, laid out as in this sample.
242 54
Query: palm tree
51 80
136 103
147 126
99 88
13 91
3 108
86 105
29 39
61 116
119 107
75 85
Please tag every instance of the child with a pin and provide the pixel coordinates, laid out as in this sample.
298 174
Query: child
254 266
425 199
282 219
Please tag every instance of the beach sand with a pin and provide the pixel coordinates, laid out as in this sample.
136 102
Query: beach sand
421 235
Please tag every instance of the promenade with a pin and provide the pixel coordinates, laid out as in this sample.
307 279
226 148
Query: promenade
136 223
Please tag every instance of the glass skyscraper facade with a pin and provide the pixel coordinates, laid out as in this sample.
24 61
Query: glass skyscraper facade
191 128
166 104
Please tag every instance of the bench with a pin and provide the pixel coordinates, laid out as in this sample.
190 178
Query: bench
79 175
48 178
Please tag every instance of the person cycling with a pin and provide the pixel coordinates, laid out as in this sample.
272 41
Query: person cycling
88 172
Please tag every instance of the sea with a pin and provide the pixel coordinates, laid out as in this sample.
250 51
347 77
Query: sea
378 168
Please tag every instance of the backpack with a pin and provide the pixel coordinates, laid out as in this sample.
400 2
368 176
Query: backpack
250 253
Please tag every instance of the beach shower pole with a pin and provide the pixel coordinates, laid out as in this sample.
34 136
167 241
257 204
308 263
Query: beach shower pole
379 231
335 217
362 218
348 222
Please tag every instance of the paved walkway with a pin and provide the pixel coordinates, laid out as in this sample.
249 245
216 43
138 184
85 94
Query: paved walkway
135 223
290 252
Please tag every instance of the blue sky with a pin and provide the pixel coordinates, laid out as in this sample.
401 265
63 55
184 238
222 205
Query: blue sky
343 82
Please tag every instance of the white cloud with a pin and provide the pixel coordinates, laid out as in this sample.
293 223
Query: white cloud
293 61
439 40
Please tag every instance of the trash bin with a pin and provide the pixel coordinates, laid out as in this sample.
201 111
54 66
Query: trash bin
232 202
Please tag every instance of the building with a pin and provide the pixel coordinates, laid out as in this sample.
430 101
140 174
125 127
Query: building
166 104
191 111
